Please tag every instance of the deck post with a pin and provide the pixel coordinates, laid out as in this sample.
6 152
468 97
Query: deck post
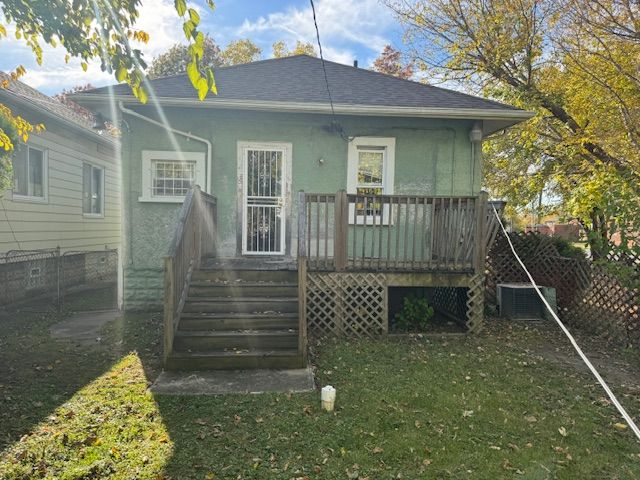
169 296
480 246
302 276
341 217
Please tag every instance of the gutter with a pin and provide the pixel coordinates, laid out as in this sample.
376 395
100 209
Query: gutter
514 115
178 132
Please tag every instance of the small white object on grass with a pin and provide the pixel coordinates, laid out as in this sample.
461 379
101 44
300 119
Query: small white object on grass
328 398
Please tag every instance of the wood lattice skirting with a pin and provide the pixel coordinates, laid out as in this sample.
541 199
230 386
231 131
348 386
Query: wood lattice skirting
347 304
355 304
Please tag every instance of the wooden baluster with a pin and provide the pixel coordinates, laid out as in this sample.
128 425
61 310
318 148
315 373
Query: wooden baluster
389 225
373 232
341 229
415 230
364 231
406 232
398 227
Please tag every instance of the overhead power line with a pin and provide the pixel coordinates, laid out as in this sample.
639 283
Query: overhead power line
326 78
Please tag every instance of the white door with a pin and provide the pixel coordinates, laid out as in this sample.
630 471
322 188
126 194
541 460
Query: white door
264 199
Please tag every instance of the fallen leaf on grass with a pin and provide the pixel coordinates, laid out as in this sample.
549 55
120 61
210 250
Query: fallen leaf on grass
563 431
620 426
377 450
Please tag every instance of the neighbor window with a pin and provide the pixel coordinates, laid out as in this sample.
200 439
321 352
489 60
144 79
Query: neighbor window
92 189
168 176
29 173
370 170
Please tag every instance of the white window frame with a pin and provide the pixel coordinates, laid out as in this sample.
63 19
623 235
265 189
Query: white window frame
45 178
102 170
388 144
149 156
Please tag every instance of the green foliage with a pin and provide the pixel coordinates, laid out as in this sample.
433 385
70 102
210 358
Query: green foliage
280 49
98 30
415 314
572 62
241 51
567 250
175 60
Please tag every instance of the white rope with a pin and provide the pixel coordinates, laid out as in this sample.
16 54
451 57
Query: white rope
604 385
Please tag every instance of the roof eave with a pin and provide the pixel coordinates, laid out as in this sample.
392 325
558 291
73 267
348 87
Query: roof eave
109 140
510 115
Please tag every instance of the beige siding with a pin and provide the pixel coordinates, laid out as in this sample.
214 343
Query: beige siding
59 222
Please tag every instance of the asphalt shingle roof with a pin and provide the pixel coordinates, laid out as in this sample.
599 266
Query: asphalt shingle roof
24 92
300 78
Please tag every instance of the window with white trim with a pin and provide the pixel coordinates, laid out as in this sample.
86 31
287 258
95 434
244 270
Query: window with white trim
168 176
30 174
371 166
92 190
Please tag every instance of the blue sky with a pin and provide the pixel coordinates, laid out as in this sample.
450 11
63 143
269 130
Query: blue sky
349 29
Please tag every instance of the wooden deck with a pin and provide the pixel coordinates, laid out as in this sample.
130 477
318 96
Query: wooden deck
254 312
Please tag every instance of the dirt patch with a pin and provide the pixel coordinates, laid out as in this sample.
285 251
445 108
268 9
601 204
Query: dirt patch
617 365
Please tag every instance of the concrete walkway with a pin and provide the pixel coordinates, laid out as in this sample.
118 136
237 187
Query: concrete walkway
83 327
219 382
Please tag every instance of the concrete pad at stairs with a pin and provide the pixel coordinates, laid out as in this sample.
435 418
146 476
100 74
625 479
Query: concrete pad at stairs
83 327
221 382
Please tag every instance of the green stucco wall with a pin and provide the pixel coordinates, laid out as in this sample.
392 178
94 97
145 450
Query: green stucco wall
431 157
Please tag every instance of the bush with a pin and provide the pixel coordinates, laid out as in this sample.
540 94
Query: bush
415 314
567 249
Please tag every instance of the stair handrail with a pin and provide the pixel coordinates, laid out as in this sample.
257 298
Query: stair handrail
190 240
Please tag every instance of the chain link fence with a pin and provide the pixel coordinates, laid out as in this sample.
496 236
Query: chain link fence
49 275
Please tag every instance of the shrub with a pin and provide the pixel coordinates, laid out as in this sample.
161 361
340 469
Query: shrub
415 314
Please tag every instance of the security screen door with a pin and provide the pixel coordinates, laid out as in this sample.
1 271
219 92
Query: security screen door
264 201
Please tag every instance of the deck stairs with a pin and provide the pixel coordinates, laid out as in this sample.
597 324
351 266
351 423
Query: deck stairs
238 318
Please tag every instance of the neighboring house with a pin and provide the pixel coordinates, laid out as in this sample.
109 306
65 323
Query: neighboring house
66 180
407 154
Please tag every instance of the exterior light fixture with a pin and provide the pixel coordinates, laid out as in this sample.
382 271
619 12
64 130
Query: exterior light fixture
475 134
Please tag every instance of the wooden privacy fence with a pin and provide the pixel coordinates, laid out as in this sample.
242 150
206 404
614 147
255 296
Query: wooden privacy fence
194 237
392 232
589 295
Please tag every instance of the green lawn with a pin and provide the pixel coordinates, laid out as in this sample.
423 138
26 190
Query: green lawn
506 404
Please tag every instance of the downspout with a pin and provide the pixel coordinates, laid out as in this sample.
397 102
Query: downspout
178 132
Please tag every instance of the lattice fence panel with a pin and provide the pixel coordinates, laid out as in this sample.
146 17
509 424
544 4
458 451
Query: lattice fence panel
347 304
451 300
589 296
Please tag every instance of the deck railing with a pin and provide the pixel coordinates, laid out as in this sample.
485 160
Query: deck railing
392 232
194 237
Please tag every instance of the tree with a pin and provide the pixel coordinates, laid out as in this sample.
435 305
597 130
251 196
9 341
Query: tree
389 62
280 49
573 62
93 30
175 60
241 51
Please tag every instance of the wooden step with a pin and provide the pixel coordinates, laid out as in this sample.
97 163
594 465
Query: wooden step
220 360
243 289
238 321
199 341
245 275
244 304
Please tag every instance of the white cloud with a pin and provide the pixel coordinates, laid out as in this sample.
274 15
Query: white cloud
341 23
157 17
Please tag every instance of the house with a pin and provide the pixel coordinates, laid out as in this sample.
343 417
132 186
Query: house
66 180
60 220
314 201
